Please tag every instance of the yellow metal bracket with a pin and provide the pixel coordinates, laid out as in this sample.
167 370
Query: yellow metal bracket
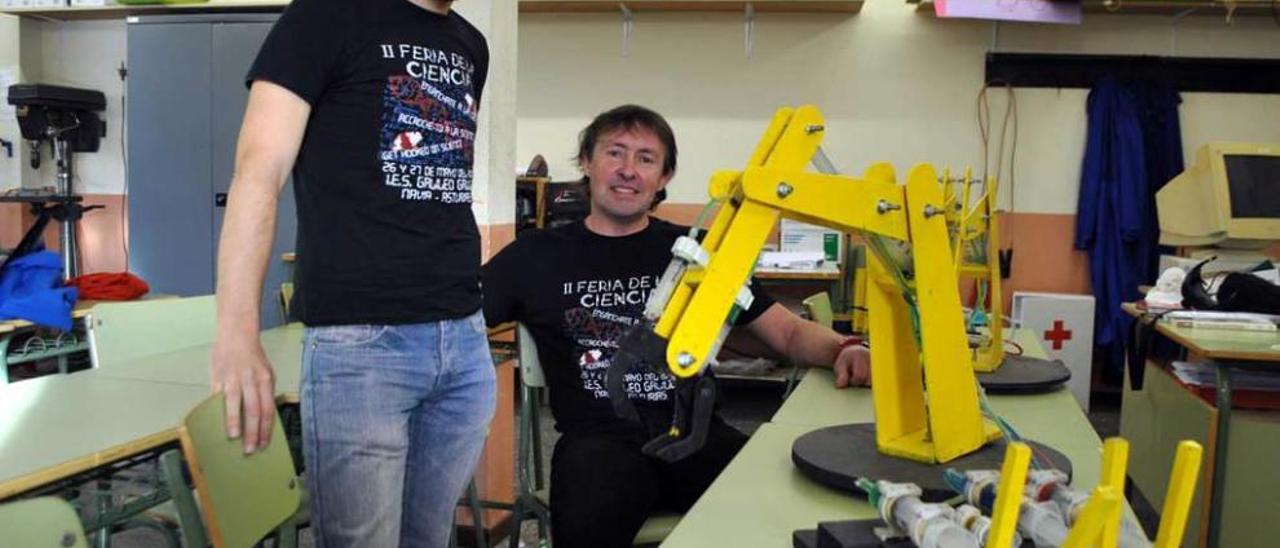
925 393
1177 500
1004 514
968 221
1087 530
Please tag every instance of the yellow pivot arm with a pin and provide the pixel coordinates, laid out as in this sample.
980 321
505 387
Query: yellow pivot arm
925 393
1013 477
1177 500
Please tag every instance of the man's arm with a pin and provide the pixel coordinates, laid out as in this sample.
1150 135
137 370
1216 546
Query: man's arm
274 122
500 286
803 342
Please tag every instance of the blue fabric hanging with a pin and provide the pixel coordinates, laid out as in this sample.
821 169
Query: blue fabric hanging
1162 136
31 289
1132 146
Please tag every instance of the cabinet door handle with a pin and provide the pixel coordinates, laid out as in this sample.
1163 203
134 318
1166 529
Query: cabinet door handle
220 199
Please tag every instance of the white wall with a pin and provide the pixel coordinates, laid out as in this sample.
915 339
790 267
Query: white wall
895 85
9 52
83 54
493 185
87 54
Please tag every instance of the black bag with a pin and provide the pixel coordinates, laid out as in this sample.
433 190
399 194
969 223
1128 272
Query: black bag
1239 292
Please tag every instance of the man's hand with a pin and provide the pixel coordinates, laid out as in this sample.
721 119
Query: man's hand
274 121
853 367
240 371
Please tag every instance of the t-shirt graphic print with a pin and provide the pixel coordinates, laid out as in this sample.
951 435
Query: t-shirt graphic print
428 125
604 310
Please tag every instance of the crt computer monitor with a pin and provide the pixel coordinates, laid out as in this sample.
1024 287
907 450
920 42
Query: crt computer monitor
1230 197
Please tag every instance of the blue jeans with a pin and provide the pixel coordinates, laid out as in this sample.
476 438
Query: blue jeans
393 421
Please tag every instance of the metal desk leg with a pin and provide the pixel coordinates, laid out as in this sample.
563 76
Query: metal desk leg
183 499
1220 452
103 538
4 357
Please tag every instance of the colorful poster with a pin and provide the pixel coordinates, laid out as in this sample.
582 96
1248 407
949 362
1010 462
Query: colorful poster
1065 12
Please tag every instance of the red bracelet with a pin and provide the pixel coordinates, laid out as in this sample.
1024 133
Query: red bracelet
852 340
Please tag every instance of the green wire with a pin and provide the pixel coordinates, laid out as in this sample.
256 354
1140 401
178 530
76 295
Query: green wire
869 487
702 217
977 314
881 250
877 245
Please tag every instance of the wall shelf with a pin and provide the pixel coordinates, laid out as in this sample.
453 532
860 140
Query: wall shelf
795 6
118 11
1157 7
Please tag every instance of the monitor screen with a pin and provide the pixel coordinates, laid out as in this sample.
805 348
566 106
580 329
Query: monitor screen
1253 182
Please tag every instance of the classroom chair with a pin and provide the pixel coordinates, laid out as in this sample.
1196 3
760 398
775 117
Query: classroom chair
817 308
46 522
532 493
283 298
119 332
242 498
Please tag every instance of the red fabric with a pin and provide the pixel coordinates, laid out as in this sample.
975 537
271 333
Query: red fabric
117 286
852 340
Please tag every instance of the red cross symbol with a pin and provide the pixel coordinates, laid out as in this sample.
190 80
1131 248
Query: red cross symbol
1057 335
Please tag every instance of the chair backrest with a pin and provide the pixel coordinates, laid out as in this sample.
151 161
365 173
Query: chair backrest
530 367
243 498
46 522
818 307
656 527
119 332
285 296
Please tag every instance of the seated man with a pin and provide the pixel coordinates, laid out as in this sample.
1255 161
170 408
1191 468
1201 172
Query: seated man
578 288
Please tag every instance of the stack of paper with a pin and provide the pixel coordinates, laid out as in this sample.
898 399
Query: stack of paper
1203 374
793 260
1243 321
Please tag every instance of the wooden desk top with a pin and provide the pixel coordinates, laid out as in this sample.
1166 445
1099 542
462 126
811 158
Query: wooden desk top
1220 344
80 310
760 498
112 418
190 366
115 411
828 272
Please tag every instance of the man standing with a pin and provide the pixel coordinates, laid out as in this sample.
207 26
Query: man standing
372 105
578 288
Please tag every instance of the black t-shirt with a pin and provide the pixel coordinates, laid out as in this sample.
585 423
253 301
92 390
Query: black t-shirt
577 292
383 179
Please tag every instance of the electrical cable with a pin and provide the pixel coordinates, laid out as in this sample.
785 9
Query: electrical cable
1010 114
124 198
1018 350
702 217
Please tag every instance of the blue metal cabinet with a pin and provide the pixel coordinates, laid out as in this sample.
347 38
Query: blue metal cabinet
185 98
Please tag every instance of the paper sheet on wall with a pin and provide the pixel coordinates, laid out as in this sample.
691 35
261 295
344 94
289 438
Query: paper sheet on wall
1034 11
8 77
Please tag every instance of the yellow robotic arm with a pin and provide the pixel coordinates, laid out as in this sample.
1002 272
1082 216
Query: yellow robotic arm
974 227
925 394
